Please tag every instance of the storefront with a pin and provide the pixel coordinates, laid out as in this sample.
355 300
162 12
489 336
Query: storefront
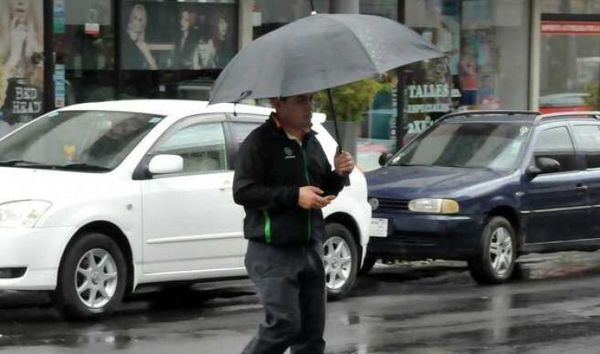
508 54
501 54
567 55
60 52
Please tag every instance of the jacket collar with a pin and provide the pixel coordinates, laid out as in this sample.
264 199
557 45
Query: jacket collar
279 131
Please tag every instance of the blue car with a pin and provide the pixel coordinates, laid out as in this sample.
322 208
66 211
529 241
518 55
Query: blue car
488 186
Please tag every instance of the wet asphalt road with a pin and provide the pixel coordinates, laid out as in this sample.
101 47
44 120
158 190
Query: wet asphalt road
416 308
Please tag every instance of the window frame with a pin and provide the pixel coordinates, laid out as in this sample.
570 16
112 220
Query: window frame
579 142
577 162
232 145
141 172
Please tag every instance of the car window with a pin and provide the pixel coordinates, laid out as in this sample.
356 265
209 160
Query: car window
588 136
202 147
490 145
239 132
556 143
78 140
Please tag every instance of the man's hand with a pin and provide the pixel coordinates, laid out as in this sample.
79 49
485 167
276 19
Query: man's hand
343 162
309 197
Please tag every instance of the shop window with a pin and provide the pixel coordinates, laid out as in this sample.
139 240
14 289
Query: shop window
569 63
269 15
21 62
383 8
175 49
571 6
494 54
486 67
84 45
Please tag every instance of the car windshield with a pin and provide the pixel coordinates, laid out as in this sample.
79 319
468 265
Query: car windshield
491 145
91 141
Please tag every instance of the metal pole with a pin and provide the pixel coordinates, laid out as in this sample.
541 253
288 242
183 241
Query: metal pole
117 28
400 121
49 57
400 86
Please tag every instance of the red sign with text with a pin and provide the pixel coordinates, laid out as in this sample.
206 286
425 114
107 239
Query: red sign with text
571 27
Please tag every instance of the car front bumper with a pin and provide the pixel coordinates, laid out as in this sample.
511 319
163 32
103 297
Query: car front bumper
421 236
37 252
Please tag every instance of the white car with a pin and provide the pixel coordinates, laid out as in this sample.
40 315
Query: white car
98 198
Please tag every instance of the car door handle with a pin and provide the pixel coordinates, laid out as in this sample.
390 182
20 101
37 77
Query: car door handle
226 186
581 187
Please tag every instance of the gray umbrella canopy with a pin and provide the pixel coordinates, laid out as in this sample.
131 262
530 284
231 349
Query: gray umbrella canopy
319 52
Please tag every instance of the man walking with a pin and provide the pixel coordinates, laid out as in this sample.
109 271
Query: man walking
283 179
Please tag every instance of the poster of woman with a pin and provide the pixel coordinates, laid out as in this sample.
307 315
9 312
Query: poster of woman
222 39
178 36
21 62
136 51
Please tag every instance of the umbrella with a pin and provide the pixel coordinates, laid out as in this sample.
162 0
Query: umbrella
319 52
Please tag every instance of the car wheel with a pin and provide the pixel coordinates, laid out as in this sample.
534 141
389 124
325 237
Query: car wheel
497 253
368 264
340 257
91 278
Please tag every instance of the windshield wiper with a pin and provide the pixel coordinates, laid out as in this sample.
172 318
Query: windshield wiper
82 167
23 163
409 164
470 167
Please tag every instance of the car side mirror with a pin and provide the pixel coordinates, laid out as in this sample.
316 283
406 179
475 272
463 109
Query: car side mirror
162 164
547 164
384 158
543 165
532 171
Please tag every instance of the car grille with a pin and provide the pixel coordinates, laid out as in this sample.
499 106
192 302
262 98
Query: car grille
398 204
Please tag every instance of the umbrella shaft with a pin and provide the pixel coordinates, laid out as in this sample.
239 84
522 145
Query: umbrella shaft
335 123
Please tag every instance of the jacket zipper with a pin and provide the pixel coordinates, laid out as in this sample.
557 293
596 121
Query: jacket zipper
306 175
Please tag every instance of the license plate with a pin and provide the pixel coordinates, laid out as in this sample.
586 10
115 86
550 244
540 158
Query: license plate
379 227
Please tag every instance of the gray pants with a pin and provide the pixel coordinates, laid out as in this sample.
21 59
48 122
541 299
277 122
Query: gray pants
290 283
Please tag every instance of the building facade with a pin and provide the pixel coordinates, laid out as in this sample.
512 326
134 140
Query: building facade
501 54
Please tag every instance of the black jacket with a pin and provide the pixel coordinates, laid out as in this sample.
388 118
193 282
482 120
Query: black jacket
269 170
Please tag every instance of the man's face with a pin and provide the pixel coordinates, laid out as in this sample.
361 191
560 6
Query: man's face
295 111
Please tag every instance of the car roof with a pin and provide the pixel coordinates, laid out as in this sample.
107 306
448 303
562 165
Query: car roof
175 108
166 107
531 117
491 116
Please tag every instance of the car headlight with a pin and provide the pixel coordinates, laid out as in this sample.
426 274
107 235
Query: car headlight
434 205
24 213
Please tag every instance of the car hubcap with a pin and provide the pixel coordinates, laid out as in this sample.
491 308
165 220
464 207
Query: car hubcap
501 250
96 278
337 261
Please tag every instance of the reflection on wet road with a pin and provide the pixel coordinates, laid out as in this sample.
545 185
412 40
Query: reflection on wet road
431 308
